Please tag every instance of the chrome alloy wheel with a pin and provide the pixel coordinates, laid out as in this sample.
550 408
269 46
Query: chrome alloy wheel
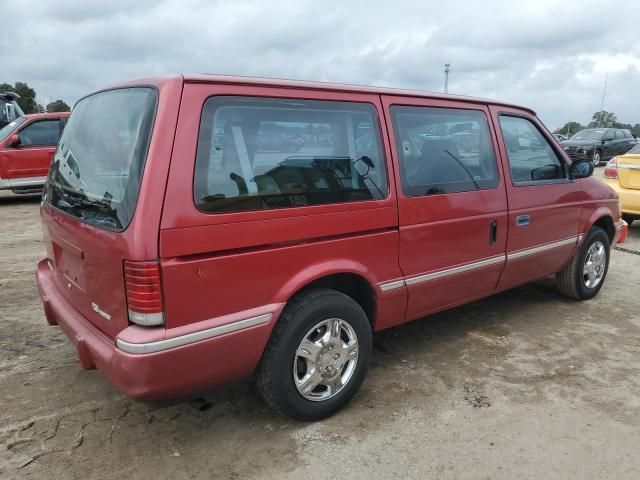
595 263
325 360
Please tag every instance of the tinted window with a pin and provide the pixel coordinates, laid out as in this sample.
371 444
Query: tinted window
97 169
259 153
531 157
443 150
619 134
609 135
44 132
592 134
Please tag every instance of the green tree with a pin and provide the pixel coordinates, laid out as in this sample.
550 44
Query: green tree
603 119
569 128
27 94
58 106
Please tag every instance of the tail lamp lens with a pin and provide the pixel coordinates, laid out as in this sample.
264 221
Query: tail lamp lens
611 170
144 292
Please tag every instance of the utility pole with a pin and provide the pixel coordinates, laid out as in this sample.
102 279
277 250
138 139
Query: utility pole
604 92
447 69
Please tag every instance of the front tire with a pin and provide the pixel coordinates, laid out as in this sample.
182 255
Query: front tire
630 218
317 357
583 278
597 158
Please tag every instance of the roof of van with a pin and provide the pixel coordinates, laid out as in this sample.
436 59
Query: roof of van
303 84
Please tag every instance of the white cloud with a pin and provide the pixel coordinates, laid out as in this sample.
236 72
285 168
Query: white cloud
550 56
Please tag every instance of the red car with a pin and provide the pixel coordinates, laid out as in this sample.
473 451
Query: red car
27 145
182 254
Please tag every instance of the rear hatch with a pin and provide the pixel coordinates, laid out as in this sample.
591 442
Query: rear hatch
629 169
90 198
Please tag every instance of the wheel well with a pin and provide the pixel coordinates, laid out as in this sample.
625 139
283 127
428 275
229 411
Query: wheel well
606 223
352 285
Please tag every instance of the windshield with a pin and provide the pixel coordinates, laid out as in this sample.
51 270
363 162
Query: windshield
97 168
17 110
10 127
589 135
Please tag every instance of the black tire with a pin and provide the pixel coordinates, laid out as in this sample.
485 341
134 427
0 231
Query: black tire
630 218
571 281
597 158
274 377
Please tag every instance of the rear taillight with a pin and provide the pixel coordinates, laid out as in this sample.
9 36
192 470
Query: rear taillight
611 170
144 292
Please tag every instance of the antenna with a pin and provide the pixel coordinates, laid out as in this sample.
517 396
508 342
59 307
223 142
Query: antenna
447 69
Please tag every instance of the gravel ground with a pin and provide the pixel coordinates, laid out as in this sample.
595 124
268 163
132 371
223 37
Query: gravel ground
524 384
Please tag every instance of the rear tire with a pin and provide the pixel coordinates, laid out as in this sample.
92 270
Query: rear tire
630 218
583 278
303 346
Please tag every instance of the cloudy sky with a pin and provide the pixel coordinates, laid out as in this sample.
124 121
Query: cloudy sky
548 55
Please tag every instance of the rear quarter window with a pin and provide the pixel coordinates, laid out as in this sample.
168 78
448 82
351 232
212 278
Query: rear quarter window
263 153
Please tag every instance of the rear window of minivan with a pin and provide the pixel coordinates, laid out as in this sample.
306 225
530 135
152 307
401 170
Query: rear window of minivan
264 153
96 171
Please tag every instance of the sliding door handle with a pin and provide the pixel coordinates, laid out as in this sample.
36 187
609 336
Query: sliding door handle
523 220
493 232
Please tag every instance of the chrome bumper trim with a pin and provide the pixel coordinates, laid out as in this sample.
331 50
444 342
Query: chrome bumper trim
542 248
9 183
160 345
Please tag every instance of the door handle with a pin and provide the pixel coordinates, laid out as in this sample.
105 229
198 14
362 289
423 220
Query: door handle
523 220
493 231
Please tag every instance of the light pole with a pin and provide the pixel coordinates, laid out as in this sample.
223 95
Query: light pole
447 69
604 92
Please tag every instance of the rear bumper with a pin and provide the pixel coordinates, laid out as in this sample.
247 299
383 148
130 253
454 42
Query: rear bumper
173 370
629 197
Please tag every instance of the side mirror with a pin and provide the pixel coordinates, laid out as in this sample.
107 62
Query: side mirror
14 140
581 169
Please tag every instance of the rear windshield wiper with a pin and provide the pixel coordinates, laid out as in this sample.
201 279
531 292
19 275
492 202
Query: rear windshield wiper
65 196
102 218
98 211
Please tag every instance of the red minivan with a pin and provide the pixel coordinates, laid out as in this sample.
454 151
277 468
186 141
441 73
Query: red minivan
203 228
27 146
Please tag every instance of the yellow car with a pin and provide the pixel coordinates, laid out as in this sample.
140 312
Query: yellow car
623 175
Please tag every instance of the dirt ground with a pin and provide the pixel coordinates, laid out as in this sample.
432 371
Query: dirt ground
525 384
